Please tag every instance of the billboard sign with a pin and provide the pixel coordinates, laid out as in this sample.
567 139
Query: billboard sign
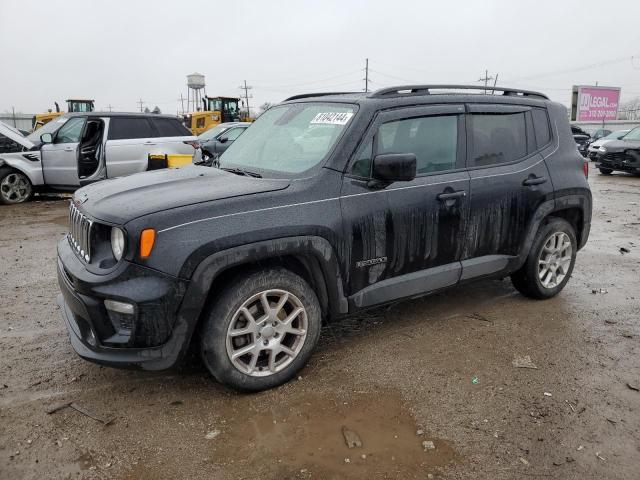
596 103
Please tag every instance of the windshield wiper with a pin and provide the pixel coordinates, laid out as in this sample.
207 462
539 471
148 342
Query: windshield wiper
240 171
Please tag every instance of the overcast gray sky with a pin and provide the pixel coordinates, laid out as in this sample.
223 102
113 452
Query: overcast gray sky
120 51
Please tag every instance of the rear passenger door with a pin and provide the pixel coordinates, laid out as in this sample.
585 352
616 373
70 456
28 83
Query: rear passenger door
509 181
129 140
407 238
171 137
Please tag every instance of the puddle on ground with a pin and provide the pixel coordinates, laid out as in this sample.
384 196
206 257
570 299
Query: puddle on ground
286 438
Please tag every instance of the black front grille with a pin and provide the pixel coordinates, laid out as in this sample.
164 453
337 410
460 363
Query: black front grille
80 232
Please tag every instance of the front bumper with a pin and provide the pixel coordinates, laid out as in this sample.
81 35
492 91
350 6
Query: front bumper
624 163
153 337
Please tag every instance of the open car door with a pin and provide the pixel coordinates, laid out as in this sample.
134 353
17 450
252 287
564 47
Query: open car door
91 158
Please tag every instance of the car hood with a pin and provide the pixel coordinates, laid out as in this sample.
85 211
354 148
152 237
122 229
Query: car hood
622 145
15 135
120 200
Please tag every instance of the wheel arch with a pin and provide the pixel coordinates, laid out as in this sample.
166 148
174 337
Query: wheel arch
311 257
26 167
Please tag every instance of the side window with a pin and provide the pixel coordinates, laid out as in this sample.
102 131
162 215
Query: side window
70 131
434 141
168 127
122 128
233 133
497 138
541 126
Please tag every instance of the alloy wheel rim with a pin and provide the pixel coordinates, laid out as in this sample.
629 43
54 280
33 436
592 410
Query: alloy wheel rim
15 188
267 333
554 260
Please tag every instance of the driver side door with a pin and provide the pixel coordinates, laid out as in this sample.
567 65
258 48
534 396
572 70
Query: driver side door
59 159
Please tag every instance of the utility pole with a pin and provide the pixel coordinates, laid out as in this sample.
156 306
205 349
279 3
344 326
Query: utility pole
13 110
246 89
495 81
110 108
140 103
366 75
485 79
182 103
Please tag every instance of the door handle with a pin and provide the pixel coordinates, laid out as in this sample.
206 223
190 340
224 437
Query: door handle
149 143
533 180
68 149
443 197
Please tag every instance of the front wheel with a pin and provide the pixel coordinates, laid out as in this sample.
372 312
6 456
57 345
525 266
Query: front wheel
261 330
606 171
548 267
15 186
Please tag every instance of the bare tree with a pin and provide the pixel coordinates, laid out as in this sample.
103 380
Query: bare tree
266 106
629 110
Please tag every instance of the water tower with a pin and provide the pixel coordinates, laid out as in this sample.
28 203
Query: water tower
195 91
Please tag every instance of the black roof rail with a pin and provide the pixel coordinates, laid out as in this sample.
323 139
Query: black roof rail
426 90
319 94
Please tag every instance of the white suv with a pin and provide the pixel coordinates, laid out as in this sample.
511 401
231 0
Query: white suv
80 148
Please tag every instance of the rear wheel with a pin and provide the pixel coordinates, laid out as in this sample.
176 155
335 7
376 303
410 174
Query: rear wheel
606 171
15 186
550 262
261 330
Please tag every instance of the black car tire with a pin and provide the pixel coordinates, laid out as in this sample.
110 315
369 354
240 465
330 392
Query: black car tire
605 171
526 280
214 347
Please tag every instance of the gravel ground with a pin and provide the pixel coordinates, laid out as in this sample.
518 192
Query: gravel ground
438 369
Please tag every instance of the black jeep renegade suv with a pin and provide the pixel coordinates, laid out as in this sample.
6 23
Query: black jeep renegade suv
326 205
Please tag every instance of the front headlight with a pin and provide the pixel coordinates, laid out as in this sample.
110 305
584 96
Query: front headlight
117 242
602 149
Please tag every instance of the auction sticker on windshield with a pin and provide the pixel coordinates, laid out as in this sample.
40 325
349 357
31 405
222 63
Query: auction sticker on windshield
332 118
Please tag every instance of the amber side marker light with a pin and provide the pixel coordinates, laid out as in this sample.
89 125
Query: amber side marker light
147 239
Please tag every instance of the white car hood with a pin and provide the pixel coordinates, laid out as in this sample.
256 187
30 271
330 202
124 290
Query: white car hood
15 135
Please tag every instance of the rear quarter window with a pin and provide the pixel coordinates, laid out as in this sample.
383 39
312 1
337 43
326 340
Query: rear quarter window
121 128
169 127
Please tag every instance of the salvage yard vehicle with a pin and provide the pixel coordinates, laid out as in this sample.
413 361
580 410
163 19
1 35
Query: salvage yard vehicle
80 148
620 155
329 204
216 140
595 146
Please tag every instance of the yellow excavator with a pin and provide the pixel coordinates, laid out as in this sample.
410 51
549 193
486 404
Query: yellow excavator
73 105
216 110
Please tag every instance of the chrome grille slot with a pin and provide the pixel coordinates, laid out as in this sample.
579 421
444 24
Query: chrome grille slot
80 232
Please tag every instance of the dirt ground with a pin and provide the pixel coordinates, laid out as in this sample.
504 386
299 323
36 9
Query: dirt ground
438 369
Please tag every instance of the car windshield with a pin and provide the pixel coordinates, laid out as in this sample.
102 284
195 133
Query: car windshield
633 134
48 127
289 139
212 132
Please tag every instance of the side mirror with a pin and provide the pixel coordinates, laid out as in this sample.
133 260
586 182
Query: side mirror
46 138
394 167
223 139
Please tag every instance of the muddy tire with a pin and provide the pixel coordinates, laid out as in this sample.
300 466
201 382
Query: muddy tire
605 171
548 267
15 186
261 330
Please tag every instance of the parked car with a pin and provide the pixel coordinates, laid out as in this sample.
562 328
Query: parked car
327 205
80 148
620 155
217 139
582 139
7 142
595 146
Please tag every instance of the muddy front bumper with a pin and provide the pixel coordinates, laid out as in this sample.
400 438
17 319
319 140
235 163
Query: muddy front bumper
125 318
